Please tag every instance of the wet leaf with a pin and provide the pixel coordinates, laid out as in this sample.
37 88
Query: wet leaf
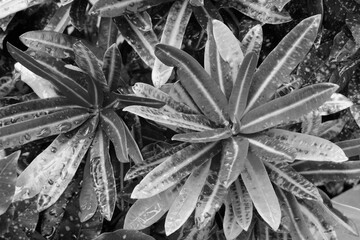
252 41
142 20
204 136
231 227
78 13
59 20
112 67
124 234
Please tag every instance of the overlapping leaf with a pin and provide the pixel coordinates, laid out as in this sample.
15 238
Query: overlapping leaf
78 13
204 136
142 20
231 227
107 33
112 67
252 41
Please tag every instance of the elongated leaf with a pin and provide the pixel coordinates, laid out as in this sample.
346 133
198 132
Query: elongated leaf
179 93
132 147
288 179
185 203
239 94
142 42
233 156
241 203
123 234
309 147
50 72
197 82
277 66
48 125
88 202
204 136
107 33
103 174
350 147
228 46
142 20
188 121
253 40
145 212
56 44
110 8
231 227
112 67
78 13
286 108
261 191
114 128
173 34
174 169
117 101
148 91
7 180
60 20
330 129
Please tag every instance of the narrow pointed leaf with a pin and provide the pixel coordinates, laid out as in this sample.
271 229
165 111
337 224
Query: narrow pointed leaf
350 147
278 65
48 125
119 101
67 86
7 180
286 108
252 41
179 93
112 67
230 226
204 136
241 203
174 169
103 174
78 13
309 147
60 20
114 128
107 34
239 94
185 202
188 121
142 42
173 34
261 191
288 179
132 147
197 82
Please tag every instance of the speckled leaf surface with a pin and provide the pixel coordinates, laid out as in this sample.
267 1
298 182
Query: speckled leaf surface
142 20
78 13
253 40
204 136
231 227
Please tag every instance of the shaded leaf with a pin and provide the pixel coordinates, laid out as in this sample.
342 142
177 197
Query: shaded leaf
132 147
112 67
204 136
124 234
107 34
59 20
78 13
142 20
231 227
350 147
119 101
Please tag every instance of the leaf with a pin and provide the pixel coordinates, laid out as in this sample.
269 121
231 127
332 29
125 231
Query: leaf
189 121
239 93
60 20
145 212
185 202
88 202
204 136
336 103
261 191
52 71
110 8
173 34
114 128
207 95
233 156
26 131
228 46
119 101
278 65
132 147
142 42
55 44
112 67
124 234
179 93
230 226
330 129
7 180
252 41
142 20
174 169
78 14
287 108
350 147
288 179
309 147
241 203
107 34
103 175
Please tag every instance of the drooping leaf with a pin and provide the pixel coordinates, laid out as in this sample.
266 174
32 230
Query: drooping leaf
241 203
142 20
261 191
142 42
114 128
78 13
185 202
102 174
173 33
124 234
286 108
7 180
174 169
252 41
197 82
231 227
204 136
309 147
112 67
277 66
189 121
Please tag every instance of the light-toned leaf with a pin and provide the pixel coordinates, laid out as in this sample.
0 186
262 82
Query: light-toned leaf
241 203
188 121
142 20
309 147
173 34
310 123
287 108
330 129
8 177
185 203
355 112
252 41
60 20
204 136
261 191
336 103
174 169
278 65
206 94
112 67
231 227
102 174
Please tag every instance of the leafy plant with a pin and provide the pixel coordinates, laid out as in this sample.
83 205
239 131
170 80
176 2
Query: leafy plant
234 150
